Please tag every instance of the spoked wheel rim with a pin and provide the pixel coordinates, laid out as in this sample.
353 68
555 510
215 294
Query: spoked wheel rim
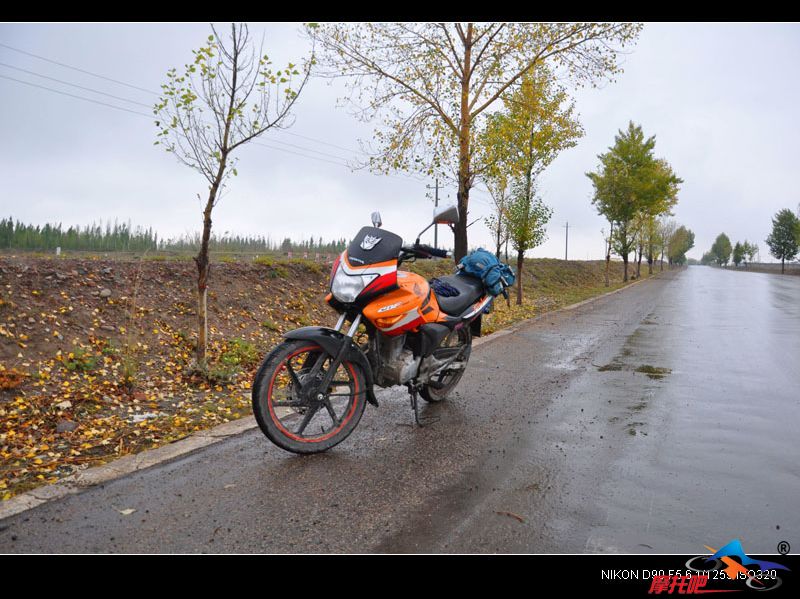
311 417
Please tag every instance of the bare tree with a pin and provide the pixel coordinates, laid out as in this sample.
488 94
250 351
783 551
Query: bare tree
227 97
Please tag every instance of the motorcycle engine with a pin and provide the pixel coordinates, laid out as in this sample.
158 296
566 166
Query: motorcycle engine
398 364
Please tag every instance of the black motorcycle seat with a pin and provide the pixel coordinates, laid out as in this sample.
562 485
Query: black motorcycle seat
469 290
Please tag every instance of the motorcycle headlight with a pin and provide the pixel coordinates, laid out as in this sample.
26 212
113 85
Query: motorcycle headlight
346 287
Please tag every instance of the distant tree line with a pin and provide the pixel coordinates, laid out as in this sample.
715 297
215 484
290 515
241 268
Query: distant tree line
722 251
122 237
94 237
783 243
239 243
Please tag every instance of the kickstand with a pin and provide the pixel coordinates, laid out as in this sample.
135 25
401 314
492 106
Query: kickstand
421 422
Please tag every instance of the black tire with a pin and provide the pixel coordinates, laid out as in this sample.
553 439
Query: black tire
457 339
286 425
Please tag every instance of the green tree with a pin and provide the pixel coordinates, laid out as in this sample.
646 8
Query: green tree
681 241
750 250
431 84
497 222
708 258
527 224
629 186
721 249
738 254
226 97
783 241
537 123
666 229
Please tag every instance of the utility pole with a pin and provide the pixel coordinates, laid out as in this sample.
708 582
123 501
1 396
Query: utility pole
435 205
566 246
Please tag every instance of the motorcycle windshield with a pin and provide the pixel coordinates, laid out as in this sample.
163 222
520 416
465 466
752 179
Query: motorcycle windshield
372 245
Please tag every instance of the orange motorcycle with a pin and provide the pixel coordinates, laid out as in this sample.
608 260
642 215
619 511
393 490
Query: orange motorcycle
311 390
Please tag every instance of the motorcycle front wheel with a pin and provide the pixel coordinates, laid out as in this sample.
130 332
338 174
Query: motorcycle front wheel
292 418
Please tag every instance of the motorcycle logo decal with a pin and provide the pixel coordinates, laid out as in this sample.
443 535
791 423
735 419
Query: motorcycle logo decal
369 242
389 307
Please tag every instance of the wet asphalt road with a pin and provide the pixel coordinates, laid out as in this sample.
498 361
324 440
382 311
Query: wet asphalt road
658 420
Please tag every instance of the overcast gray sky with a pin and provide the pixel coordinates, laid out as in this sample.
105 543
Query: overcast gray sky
722 100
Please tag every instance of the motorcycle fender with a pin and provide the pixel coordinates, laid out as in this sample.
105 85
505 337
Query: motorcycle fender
331 341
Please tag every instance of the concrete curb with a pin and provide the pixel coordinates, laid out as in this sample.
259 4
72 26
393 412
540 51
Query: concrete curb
151 457
123 466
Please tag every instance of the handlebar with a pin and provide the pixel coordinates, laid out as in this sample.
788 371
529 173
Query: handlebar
421 250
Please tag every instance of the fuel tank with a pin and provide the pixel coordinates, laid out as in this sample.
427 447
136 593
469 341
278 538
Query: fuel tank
405 308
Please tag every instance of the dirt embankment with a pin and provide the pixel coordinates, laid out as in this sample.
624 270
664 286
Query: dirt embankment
95 355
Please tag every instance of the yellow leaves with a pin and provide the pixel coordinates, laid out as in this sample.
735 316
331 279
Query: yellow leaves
36 292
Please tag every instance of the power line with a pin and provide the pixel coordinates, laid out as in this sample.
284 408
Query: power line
337 160
76 96
80 70
259 143
87 72
324 142
338 163
347 166
67 66
307 149
88 89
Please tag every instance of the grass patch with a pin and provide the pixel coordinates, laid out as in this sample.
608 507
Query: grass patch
268 324
80 360
239 353
264 260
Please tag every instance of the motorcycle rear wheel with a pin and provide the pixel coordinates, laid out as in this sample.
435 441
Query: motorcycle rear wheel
448 381
298 423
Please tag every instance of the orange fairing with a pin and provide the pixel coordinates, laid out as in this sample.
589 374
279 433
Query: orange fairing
403 309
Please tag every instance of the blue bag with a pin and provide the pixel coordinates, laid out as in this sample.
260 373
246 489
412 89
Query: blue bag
483 265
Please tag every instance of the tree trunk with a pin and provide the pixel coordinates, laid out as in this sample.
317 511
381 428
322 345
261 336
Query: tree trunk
638 263
464 175
506 251
608 251
625 265
499 243
203 265
782 260
520 264
650 264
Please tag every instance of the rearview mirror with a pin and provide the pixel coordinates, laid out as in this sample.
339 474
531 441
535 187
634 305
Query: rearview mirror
445 215
376 219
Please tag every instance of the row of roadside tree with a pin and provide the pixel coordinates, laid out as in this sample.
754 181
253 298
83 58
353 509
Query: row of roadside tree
783 243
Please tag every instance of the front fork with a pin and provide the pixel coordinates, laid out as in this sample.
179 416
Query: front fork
337 360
